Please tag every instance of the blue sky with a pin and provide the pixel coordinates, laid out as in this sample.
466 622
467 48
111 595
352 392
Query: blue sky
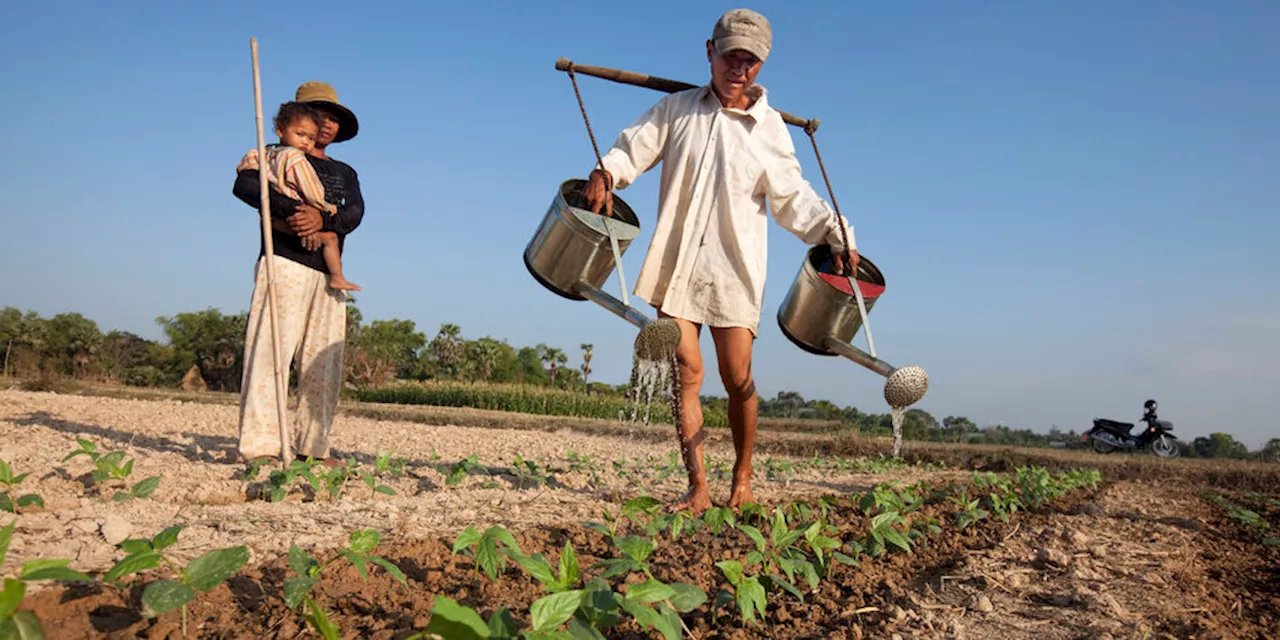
1074 204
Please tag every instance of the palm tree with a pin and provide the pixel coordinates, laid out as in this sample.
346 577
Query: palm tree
586 365
553 357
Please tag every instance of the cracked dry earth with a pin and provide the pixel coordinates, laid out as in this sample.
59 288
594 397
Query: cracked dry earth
1145 559
192 447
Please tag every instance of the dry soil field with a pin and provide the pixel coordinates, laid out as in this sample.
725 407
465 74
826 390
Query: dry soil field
1140 554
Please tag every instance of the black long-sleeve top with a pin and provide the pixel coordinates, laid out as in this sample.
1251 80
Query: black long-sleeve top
341 188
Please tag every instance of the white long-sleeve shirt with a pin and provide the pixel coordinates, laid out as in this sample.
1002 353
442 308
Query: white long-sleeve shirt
707 260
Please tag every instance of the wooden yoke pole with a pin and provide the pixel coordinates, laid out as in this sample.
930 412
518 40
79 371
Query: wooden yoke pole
282 400
660 84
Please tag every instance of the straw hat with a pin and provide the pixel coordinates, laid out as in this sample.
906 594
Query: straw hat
320 94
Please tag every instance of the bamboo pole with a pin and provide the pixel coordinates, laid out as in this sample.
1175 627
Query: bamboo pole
286 446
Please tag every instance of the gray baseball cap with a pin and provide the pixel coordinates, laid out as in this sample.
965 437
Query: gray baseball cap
743 29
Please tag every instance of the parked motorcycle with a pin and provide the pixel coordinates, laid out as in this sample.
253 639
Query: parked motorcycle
1108 435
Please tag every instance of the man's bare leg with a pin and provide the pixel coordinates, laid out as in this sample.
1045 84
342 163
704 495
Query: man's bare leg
333 260
733 351
689 362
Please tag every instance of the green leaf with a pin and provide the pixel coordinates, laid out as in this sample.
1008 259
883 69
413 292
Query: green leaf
167 538
579 630
618 566
641 504
600 604
502 625
549 612
30 499
6 503
389 568
163 596
467 538
454 621
120 496
301 562
677 526
645 616
844 559
668 622
488 559
382 488
214 567
755 535
6 535
319 620
569 570
732 570
687 597
633 547
536 566
500 534
751 597
296 588
24 625
131 564
11 597
51 570
787 586
649 592
145 488
135 545
364 540
895 538
358 560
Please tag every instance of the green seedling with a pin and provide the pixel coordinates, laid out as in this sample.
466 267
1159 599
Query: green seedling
25 624
483 548
109 467
202 574
538 567
717 518
748 593
374 485
385 464
969 513
282 480
526 473
461 469
778 553
7 501
297 588
449 619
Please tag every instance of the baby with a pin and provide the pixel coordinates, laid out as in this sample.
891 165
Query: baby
289 172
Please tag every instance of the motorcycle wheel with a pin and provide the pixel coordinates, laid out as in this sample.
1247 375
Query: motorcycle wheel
1165 447
1101 447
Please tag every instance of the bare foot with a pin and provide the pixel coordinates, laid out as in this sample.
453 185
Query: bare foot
696 500
340 283
740 495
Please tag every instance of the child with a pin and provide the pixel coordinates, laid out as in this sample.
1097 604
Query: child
289 172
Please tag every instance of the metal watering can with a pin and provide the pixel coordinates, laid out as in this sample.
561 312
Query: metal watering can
821 315
572 255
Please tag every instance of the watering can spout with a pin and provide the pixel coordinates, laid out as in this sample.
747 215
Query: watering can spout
614 305
861 357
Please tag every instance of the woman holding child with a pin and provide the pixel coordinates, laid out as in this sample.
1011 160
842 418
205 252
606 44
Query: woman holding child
314 205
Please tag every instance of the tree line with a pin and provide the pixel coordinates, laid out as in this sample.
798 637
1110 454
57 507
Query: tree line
208 345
